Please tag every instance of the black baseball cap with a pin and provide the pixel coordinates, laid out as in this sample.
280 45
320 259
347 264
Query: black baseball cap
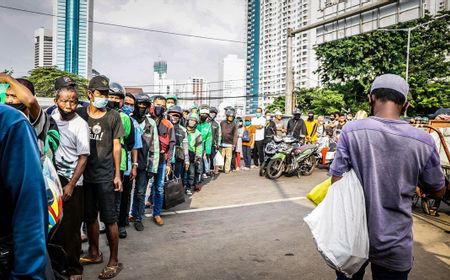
100 83
64 81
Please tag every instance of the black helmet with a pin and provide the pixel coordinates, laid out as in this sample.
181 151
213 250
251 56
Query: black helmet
142 98
175 109
297 111
230 113
213 110
117 90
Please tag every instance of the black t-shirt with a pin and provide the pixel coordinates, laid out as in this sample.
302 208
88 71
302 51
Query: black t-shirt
100 164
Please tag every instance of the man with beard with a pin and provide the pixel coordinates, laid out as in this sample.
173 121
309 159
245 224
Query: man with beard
102 178
167 142
372 148
71 158
148 158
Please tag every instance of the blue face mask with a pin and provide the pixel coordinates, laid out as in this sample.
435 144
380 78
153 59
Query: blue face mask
258 115
127 109
100 103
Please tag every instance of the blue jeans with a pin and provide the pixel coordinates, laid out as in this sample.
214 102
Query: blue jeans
179 171
158 189
140 188
378 273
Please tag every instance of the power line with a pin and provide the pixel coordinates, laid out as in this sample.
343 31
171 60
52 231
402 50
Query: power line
183 84
132 27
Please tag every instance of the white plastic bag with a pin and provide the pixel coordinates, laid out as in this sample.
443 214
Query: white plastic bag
339 226
218 159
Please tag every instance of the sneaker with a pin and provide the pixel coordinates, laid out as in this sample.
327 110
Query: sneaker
204 176
245 168
122 232
139 226
189 192
158 220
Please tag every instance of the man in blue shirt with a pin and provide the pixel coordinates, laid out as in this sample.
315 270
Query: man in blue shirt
23 200
390 158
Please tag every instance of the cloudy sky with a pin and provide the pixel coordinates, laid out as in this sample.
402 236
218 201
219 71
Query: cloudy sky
126 55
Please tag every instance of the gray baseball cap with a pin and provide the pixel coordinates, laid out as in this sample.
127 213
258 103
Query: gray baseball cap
391 81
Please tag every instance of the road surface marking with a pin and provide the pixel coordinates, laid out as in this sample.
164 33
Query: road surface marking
229 206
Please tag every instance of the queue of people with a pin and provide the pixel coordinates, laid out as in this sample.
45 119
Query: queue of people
106 154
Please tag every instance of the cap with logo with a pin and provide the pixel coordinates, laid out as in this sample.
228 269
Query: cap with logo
100 83
64 81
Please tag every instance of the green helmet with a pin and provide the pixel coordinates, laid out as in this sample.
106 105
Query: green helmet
173 97
193 116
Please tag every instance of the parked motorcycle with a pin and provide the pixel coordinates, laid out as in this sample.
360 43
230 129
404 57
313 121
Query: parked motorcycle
269 151
294 159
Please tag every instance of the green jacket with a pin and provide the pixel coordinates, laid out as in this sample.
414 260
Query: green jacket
127 125
195 142
205 130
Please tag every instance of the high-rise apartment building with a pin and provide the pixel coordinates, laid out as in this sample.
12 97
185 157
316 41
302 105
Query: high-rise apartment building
43 41
381 17
72 36
275 18
253 41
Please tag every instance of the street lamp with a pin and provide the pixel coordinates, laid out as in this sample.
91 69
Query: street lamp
408 46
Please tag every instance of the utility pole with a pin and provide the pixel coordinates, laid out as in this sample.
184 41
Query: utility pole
289 74
407 53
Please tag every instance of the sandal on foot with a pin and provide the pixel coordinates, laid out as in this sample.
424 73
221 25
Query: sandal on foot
110 271
87 260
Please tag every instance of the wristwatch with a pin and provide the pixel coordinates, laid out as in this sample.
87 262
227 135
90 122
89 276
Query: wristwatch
135 164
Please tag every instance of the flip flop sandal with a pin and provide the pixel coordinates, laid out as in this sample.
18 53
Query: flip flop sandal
110 271
86 260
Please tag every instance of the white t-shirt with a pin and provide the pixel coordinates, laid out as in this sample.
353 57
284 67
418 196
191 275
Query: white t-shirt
74 141
259 136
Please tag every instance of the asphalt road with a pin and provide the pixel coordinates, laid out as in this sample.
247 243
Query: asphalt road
241 226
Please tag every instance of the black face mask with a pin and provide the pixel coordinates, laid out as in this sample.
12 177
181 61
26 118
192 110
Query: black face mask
66 115
113 105
203 118
159 111
310 118
296 117
19 107
140 113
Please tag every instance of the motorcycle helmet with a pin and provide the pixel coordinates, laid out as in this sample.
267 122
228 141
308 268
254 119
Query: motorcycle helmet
213 110
143 98
117 90
54 194
297 111
230 113
193 116
175 109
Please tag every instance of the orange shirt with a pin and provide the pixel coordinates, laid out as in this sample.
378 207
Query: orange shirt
251 130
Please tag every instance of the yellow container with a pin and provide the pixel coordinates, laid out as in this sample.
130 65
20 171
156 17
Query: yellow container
318 193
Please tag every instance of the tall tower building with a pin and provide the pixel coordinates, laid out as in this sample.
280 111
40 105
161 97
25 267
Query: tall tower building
252 77
72 46
43 41
161 85
276 18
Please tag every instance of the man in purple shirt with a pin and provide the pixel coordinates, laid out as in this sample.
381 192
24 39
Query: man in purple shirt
390 158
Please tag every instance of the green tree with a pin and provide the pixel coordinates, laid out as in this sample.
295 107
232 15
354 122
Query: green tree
349 65
43 79
278 104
